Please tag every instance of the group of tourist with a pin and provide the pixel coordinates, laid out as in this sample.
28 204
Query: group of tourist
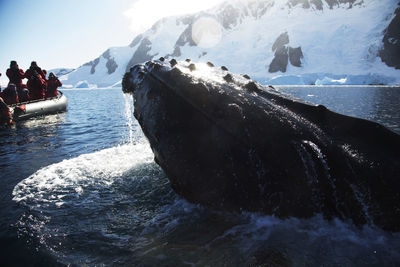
37 87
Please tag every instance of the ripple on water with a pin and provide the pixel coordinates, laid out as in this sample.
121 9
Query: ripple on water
115 206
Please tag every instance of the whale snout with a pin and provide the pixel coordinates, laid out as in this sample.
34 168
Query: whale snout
132 78
127 85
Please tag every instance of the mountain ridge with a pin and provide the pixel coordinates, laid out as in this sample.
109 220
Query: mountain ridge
328 42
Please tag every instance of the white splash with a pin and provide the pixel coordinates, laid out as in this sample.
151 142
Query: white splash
70 178
129 117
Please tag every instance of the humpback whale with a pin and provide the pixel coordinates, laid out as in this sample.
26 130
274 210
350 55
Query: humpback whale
227 142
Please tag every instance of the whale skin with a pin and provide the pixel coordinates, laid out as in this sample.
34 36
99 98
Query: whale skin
227 142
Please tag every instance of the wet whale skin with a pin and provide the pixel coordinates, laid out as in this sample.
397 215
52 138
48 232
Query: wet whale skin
228 142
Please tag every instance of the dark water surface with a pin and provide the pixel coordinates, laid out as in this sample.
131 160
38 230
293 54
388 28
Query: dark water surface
82 188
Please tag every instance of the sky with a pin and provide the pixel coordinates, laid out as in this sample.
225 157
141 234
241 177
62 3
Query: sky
69 33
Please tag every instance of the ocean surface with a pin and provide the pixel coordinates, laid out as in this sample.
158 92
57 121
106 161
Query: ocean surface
81 189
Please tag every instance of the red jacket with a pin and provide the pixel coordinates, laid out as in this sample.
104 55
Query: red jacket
52 85
10 95
16 76
5 114
29 73
37 88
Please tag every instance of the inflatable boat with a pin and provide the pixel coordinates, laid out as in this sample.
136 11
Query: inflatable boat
26 110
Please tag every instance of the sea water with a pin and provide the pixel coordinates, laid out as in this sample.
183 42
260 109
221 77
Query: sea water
82 188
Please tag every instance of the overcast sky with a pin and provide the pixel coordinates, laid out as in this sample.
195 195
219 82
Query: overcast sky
69 33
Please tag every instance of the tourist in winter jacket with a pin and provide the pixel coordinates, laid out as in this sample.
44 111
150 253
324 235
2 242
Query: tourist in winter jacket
15 74
32 68
45 75
52 84
10 95
23 95
5 114
36 86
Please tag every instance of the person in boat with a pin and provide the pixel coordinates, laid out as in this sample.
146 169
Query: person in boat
5 114
23 94
52 84
32 68
45 75
10 95
36 86
15 74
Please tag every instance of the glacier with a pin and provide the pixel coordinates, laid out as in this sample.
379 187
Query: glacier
336 42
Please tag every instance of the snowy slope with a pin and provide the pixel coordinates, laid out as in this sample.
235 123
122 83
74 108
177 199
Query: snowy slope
60 71
276 42
104 71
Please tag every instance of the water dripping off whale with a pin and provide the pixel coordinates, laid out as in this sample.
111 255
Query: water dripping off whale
227 142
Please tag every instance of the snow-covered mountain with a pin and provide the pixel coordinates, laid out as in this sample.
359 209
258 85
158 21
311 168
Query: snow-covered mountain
60 71
273 41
